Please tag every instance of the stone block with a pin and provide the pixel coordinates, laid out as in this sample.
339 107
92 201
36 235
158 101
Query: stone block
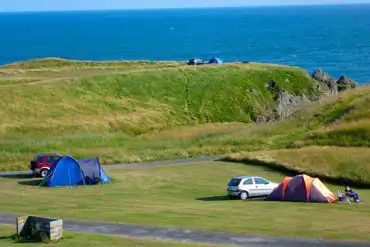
39 228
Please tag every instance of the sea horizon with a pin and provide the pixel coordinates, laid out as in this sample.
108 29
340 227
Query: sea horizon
305 36
186 8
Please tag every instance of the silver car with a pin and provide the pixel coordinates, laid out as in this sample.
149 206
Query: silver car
245 187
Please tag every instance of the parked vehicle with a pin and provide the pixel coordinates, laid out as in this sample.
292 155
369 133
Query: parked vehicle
245 187
41 163
196 61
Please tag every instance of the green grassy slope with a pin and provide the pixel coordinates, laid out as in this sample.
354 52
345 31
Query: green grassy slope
341 164
338 131
100 114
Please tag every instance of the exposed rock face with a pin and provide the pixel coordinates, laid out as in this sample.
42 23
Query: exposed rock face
287 104
345 83
342 84
323 77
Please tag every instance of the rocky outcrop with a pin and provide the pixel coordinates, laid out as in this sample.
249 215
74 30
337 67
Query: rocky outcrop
345 83
323 77
335 87
287 104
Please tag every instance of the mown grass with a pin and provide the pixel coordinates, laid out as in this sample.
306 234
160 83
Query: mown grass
191 196
350 165
8 239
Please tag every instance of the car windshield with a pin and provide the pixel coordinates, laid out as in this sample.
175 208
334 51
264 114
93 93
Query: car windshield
234 182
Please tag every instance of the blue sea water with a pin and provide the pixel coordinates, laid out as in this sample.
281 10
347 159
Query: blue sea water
335 38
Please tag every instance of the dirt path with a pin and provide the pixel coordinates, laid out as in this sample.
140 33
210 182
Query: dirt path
183 235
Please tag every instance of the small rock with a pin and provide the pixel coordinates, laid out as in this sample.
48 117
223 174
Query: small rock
254 91
261 119
322 76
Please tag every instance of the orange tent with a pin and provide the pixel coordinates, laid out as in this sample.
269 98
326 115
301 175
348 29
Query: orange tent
302 188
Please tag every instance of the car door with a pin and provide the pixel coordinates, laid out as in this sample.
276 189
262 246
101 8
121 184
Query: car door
248 185
262 188
263 185
41 161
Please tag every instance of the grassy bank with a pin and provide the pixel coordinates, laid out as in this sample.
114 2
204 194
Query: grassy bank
116 115
346 165
87 240
191 196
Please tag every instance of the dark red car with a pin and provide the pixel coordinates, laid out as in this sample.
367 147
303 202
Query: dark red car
41 163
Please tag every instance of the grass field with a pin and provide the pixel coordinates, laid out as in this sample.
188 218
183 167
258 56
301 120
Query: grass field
87 240
191 196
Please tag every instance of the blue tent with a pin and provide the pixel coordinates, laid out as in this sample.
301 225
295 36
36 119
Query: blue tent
93 171
67 171
216 60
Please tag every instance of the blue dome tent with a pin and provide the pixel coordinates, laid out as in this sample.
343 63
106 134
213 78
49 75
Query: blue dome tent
215 60
93 171
67 171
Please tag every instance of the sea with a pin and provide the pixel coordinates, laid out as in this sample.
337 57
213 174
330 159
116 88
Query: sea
333 38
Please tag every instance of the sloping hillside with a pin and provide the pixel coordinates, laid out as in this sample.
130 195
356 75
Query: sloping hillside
338 128
139 101
163 110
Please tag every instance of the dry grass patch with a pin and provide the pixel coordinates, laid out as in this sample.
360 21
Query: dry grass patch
196 130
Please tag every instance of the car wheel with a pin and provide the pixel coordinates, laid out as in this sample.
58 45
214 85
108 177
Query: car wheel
244 195
44 172
231 197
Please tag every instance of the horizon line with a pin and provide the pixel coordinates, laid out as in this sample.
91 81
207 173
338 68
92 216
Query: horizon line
185 8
